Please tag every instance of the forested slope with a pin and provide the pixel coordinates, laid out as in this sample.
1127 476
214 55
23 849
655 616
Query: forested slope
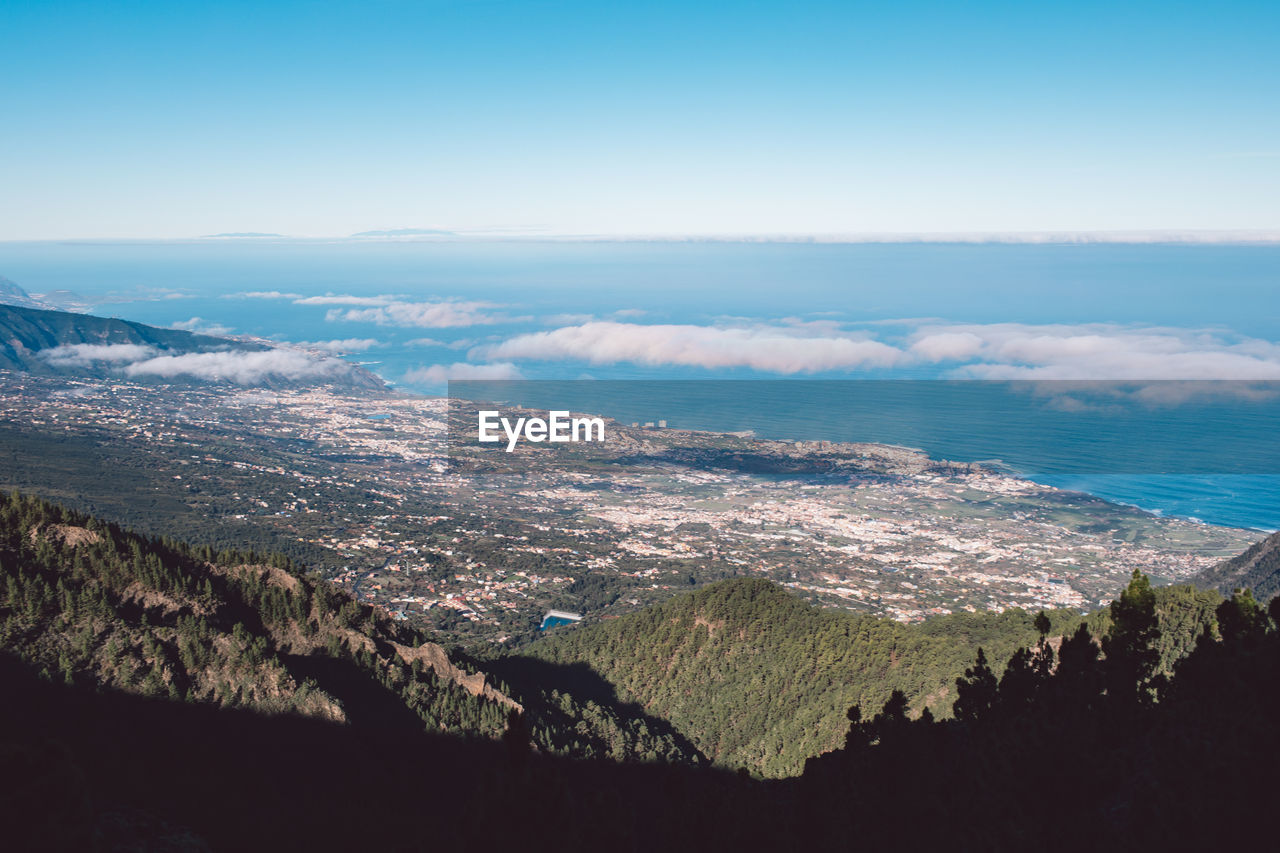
1083 744
1257 569
85 603
758 678
160 697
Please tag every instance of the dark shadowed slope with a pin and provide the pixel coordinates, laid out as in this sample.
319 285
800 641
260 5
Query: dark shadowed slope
85 603
1257 569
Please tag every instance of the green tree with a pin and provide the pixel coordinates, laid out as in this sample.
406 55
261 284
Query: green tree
1241 620
976 691
1132 656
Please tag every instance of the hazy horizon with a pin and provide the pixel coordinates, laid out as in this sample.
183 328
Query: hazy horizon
1206 237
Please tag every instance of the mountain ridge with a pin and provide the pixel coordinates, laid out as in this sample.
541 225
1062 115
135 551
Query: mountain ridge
49 342
12 294
1257 569
87 603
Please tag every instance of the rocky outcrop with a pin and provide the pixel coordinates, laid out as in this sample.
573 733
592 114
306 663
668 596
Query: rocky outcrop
67 535
435 657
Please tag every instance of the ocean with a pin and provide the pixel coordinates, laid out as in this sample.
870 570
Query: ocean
351 297
1211 455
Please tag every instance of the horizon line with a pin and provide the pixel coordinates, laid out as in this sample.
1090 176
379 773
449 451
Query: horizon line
1038 237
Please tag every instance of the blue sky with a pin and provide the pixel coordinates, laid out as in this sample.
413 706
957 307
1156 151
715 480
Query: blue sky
141 119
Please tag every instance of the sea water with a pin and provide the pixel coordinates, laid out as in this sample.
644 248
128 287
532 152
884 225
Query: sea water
887 290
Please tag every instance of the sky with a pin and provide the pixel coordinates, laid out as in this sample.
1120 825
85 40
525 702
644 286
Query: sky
145 120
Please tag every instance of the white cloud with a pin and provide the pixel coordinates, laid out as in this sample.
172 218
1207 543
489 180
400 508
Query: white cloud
1099 395
331 299
388 310
262 294
438 373
197 325
1089 351
341 346
240 367
567 319
768 348
1096 351
441 314
948 346
461 343
82 355
814 327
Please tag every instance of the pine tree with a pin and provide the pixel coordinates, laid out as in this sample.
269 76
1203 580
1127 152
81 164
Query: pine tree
1132 656
976 691
1241 620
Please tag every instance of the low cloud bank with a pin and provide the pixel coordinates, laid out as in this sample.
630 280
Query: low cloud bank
242 368
463 343
766 348
1090 351
262 294
84 355
198 325
1095 351
340 346
423 315
343 300
393 311
238 366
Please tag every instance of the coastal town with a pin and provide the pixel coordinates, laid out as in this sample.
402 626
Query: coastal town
365 489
